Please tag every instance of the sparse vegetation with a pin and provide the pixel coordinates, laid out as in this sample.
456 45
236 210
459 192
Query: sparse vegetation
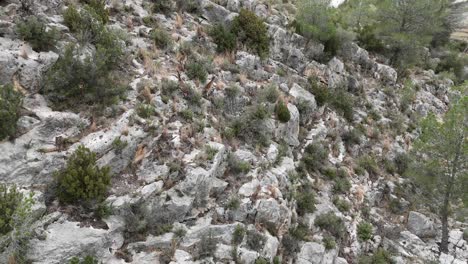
82 180
10 104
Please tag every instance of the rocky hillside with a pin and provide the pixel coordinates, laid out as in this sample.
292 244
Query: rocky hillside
287 157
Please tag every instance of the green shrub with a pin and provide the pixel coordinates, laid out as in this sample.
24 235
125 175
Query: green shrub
343 102
224 39
261 260
72 18
10 104
161 38
35 32
300 232
342 185
381 256
364 231
331 223
74 81
10 199
305 201
255 240
320 91
352 137
163 6
118 145
270 94
100 10
233 203
82 179
329 242
238 166
196 70
315 157
367 38
369 164
238 235
290 245
190 6
207 246
282 112
145 110
88 25
402 162
341 204
85 260
251 31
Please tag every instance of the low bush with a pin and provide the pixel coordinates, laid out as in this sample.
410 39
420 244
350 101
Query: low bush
224 39
145 110
82 179
315 157
197 70
305 200
341 204
238 166
118 145
369 164
99 9
270 94
255 240
250 126
282 112
342 184
207 246
85 260
331 223
190 6
339 99
10 199
10 105
238 235
301 232
233 203
74 81
364 231
381 256
367 38
261 260
352 137
163 6
161 38
329 242
252 31
290 245
35 32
